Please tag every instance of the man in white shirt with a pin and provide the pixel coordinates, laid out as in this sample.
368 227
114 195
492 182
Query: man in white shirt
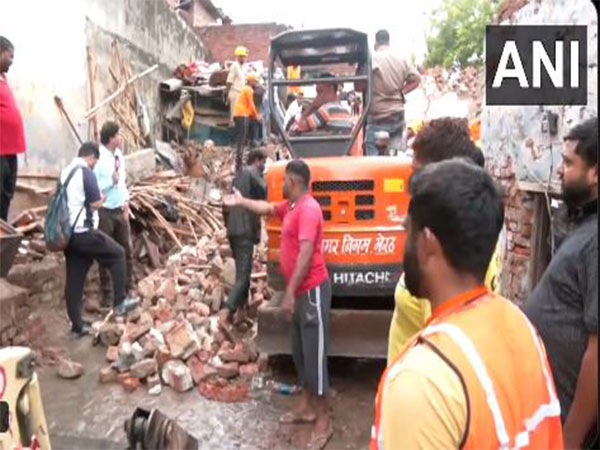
88 244
235 79
114 213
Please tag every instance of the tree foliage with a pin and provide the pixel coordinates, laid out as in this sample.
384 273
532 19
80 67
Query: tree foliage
458 32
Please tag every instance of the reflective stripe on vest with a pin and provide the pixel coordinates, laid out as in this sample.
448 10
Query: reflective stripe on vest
547 410
519 437
470 351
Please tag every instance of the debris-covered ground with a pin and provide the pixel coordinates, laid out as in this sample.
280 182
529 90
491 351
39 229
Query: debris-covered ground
170 352
84 413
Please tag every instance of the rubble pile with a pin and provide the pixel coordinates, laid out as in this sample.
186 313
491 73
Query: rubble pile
461 80
174 337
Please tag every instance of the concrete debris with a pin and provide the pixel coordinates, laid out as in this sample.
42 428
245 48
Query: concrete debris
144 368
107 375
177 375
155 390
185 272
69 369
110 333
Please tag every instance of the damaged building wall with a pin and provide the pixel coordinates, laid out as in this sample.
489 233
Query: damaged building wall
523 155
221 40
54 63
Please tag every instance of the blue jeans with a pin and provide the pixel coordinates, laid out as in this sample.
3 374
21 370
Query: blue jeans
395 130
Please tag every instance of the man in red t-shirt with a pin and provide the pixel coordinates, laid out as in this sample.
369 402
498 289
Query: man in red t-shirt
308 293
12 133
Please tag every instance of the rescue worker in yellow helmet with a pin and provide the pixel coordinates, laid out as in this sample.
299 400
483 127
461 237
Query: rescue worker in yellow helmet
235 79
477 376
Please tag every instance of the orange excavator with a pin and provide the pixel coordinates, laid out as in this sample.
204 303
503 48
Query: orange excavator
364 200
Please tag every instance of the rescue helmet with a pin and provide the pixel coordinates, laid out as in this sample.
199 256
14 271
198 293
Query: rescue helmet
241 51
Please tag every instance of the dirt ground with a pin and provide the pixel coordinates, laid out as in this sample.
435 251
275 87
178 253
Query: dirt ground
83 413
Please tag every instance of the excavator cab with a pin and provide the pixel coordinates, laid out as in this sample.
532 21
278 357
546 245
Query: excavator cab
363 199
339 51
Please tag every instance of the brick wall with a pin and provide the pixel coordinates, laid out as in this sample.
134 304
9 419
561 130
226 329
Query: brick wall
221 40
523 156
516 240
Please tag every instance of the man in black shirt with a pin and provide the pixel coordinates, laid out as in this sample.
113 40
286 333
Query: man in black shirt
564 305
243 231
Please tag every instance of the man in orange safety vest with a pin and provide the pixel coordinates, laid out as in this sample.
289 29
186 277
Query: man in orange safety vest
477 375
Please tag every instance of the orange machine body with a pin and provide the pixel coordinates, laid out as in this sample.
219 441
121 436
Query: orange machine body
364 202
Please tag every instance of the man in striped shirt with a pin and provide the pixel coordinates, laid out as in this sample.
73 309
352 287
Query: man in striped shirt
326 113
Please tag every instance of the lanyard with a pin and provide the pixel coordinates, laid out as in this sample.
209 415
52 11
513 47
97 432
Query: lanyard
457 301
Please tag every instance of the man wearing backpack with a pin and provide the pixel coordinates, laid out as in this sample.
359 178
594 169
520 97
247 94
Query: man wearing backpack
87 244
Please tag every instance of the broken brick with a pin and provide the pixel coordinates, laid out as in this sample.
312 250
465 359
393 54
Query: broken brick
153 380
240 354
144 368
229 370
181 338
201 309
69 369
248 370
107 375
230 393
130 384
146 288
199 370
163 355
177 375
110 334
168 290
195 295
163 312
112 353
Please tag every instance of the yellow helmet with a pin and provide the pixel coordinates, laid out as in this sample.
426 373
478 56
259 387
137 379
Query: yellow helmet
241 51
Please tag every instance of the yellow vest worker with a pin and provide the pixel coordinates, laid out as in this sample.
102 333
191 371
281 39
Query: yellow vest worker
293 73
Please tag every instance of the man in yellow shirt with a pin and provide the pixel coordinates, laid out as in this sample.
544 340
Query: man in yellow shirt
437 140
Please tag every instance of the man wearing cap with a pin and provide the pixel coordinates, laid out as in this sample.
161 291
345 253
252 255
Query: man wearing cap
235 80
244 110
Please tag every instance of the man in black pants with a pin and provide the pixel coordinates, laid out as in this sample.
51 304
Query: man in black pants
243 231
87 244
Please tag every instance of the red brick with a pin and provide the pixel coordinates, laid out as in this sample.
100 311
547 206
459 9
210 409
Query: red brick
237 354
107 375
112 353
248 370
130 384
168 290
200 371
181 339
144 368
229 370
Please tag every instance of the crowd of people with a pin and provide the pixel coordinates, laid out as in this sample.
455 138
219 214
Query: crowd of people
466 367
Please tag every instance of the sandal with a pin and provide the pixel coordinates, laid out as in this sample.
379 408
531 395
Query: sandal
318 442
292 417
